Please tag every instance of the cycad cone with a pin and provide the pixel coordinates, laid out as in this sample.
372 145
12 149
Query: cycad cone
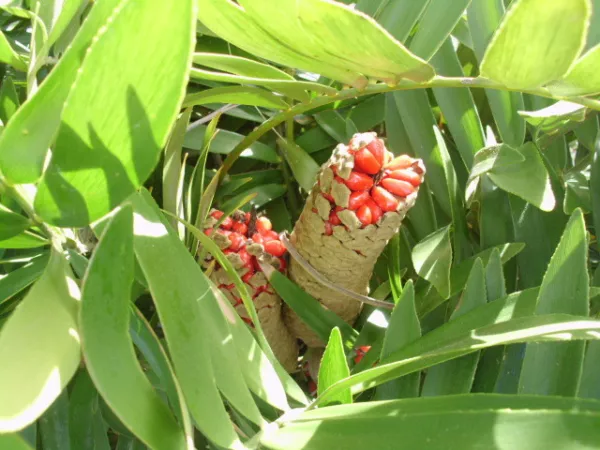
349 217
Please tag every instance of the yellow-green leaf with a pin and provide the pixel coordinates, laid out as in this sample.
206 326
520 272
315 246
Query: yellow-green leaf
537 42
39 347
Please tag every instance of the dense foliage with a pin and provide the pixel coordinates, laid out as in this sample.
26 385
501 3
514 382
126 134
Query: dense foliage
125 122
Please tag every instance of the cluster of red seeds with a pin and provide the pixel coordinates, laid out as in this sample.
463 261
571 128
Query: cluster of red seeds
242 231
377 184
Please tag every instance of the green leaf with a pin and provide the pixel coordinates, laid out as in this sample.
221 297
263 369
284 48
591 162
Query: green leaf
9 100
403 329
312 313
225 141
456 376
172 166
17 280
435 26
528 180
582 78
104 320
554 369
9 56
242 66
334 368
13 442
352 44
589 387
24 240
189 321
303 166
595 191
83 404
554 33
11 223
457 105
547 328
450 422
555 119
34 125
54 425
432 258
41 341
243 95
116 122
57 15
484 18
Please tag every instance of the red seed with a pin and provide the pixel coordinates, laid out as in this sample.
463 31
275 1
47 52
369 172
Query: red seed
400 162
237 241
246 257
376 211
328 197
398 187
247 276
384 199
258 238
334 219
248 321
365 161
216 214
364 215
361 352
227 223
282 264
247 217
263 224
359 181
208 231
357 199
406 175
270 235
241 228
377 148
275 248
328 229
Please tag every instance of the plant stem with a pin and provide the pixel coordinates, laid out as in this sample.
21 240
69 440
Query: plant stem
438 81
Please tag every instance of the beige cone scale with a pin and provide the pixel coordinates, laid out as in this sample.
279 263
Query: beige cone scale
358 203
246 239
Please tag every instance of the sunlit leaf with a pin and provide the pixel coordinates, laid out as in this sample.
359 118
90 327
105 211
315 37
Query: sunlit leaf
117 121
41 341
554 33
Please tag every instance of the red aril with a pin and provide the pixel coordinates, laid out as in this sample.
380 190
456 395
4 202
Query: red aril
376 211
269 235
357 199
364 215
359 181
240 227
334 219
237 241
263 224
398 187
275 248
400 162
377 148
258 238
386 201
328 229
216 214
406 175
365 161
328 197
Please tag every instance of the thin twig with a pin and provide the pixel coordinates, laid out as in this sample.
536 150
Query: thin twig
209 117
325 282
